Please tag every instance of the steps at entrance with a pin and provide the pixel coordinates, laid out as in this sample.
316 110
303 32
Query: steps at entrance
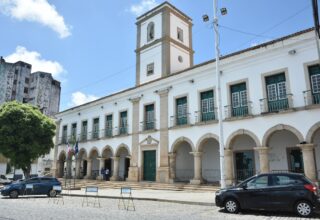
139 185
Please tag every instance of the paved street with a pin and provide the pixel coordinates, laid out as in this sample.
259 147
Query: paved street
45 208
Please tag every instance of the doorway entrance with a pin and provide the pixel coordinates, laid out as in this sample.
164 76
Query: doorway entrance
84 168
244 165
295 160
108 165
149 165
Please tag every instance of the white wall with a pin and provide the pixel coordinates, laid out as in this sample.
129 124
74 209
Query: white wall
278 143
176 22
148 56
3 167
211 161
184 162
175 52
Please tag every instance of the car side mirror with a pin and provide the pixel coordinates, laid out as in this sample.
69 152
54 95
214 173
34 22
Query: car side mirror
244 186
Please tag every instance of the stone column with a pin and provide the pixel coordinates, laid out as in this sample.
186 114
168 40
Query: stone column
55 169
133 169
172 163
101 166
89 169
57 173
78 167
228 166
197 168
163 170
308 161
263 159
115 175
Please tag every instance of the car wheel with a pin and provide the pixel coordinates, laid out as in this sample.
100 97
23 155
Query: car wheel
52 193
14 194
303 209
231 206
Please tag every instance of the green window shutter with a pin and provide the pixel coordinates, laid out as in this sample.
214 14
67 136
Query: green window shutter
239 95
206 95
314 72
182 101
275 78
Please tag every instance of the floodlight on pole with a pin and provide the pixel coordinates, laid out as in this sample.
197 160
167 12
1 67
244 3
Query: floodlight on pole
218 83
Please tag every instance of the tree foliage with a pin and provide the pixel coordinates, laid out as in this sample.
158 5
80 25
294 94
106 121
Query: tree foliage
25 134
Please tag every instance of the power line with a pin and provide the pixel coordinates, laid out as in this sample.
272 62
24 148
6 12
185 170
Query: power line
276 25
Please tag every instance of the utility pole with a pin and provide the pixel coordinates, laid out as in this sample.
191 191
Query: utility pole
220 122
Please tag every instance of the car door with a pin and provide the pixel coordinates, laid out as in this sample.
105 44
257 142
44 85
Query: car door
45 185
283 191
32 186
255 192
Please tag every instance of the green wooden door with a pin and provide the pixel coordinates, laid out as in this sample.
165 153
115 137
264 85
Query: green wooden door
149 165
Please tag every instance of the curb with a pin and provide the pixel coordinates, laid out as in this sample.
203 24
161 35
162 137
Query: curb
145 199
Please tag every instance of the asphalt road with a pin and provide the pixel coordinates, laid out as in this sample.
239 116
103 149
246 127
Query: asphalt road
72 208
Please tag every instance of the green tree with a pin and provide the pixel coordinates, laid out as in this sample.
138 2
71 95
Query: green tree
25 134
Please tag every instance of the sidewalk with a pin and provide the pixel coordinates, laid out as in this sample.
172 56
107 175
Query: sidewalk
183 197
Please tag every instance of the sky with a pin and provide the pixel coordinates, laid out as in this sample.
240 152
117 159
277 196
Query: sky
89 45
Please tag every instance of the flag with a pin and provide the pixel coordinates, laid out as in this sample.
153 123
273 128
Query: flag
68 148
76 148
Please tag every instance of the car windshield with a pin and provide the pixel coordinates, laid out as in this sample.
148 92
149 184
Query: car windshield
245 182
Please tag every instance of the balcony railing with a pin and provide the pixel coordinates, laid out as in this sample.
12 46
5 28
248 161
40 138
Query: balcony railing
241 111
95 135
122 130
311 98
147 125
108 133
179 120
277 105
205 116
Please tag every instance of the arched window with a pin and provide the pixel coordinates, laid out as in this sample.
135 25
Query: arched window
150 31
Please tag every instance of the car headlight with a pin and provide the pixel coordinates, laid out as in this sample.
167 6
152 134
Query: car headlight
6 187
219 192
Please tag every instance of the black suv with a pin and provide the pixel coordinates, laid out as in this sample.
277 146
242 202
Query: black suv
271 191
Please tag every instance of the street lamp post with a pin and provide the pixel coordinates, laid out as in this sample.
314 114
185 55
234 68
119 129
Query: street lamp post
218 83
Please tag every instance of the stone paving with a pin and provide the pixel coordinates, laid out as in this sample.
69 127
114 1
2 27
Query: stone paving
45 208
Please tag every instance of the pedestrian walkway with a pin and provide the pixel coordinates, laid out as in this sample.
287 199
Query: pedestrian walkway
184 196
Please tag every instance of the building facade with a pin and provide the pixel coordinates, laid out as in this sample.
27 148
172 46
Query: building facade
39 89
165 128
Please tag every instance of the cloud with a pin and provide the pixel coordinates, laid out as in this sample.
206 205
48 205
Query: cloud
39 11
143 6
38 63
79 98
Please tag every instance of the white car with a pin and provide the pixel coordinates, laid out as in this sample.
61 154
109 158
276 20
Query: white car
4 180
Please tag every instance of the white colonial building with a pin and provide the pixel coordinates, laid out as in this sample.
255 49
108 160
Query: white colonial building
165 128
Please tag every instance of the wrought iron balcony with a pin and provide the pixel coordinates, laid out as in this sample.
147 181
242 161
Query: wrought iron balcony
241 111
95 135
179 120
311 98
205 116
108 132
278 105
147 125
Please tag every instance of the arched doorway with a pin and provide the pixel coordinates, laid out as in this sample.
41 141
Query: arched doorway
284 155
61 164
93 173
82 160
107 154
124 162
184 161
209 146
245 158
